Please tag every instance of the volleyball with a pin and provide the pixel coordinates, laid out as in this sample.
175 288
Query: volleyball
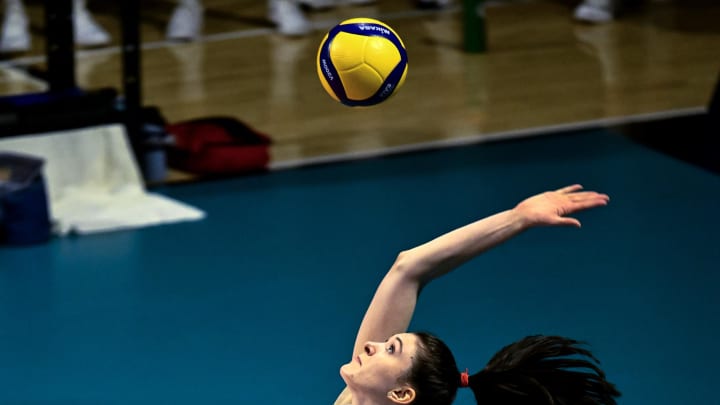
362 62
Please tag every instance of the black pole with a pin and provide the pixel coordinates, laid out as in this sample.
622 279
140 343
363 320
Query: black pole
132 85
60 46
714 107
714 125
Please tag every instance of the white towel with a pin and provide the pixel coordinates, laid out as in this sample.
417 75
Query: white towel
93 182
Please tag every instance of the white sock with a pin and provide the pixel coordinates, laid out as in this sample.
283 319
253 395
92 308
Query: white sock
14 5
79 5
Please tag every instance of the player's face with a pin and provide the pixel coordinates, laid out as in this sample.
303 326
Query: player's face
375 371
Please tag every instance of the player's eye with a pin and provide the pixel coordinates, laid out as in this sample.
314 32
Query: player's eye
391 349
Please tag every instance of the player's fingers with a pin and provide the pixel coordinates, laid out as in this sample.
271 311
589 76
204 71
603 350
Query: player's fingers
595 202
587 195
569 222
570 189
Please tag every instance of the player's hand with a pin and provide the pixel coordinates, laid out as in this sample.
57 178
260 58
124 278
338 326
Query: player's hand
553 207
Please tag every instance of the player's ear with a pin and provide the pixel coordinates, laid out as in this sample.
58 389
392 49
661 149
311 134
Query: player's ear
402 395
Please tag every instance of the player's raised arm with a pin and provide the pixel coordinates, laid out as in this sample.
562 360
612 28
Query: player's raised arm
393 304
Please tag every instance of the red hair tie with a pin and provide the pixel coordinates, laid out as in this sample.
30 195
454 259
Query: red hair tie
464 379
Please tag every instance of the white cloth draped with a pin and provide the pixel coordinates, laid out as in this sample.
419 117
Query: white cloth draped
93 181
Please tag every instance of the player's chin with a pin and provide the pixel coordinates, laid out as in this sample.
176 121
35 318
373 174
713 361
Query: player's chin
347 371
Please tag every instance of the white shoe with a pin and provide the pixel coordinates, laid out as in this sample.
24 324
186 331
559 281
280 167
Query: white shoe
288 17
595 11
87 31
186 22
15 36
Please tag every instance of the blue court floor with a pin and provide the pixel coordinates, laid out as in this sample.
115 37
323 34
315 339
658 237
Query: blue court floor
259 303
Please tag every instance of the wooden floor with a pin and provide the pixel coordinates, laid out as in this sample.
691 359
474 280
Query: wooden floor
542 70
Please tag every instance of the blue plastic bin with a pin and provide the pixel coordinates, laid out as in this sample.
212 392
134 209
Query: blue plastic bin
24 213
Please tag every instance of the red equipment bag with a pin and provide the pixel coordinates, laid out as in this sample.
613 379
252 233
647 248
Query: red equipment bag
217 146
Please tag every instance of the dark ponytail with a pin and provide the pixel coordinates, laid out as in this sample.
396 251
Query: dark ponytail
537 370
543 370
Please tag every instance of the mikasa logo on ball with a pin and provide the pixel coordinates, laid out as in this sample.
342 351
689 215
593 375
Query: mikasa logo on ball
387 90
382 30
327 70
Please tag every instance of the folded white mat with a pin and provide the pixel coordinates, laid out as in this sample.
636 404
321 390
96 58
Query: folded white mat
94 183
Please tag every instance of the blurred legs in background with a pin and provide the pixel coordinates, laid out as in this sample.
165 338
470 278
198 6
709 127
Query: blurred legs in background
186 21
15 35
290 18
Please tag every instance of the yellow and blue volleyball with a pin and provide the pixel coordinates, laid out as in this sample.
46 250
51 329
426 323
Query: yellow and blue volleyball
362 62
